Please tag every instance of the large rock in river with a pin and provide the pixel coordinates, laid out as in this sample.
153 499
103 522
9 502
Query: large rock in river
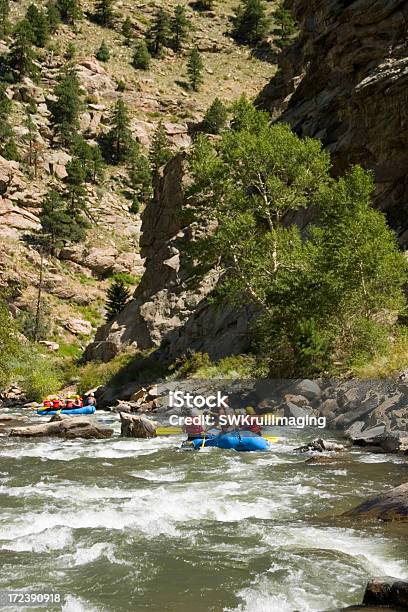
389 506
63 426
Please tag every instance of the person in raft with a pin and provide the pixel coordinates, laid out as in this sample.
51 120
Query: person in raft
90 400
78 403
69 403
197 430
253 424
227 412
57 404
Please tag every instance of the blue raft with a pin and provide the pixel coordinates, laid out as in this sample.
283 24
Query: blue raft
83 410
243 441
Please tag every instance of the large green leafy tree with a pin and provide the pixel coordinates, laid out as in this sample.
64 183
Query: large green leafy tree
22 55
250 23
65 110
323 296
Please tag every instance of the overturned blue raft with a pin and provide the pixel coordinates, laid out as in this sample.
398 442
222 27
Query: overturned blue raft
243 441
83 410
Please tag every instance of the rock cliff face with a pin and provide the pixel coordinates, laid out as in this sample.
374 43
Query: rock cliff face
165 310
345 81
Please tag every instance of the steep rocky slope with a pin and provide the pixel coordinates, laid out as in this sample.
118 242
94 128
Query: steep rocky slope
76 281
345 81
165 310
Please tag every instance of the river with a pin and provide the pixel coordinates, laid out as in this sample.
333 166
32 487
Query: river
139 525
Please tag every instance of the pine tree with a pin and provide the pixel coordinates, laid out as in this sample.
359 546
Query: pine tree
30 137
70 10
120 137
215 118
65 110
53 16
140 176
180 26
105 13
90 158
117 295
160 152
75 193
141 56
103 53
4 15
285 26
60 225
21 58
128 30
195 69
159 33
250 22
8 147
39 24
5 104
71 51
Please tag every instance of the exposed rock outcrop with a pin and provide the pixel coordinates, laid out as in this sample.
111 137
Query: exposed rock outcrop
389 506
166 311
345 81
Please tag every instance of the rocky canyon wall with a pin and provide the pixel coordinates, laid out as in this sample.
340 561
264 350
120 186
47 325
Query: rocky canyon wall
345 81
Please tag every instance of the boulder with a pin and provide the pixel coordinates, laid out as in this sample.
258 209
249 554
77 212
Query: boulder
294 411
320 445
63 426
298 400
137 426
309 389
51 346
389 506
387 592
78 327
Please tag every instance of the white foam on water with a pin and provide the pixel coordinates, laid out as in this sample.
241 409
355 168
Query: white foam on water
50 539
159 475
267 595
374 553
380 458
75 604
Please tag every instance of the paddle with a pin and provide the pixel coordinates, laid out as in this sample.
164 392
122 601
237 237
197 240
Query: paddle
174 431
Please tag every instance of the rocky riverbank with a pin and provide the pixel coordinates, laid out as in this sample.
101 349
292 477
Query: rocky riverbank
370 413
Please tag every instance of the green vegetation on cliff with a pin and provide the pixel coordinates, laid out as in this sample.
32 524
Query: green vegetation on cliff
326 295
